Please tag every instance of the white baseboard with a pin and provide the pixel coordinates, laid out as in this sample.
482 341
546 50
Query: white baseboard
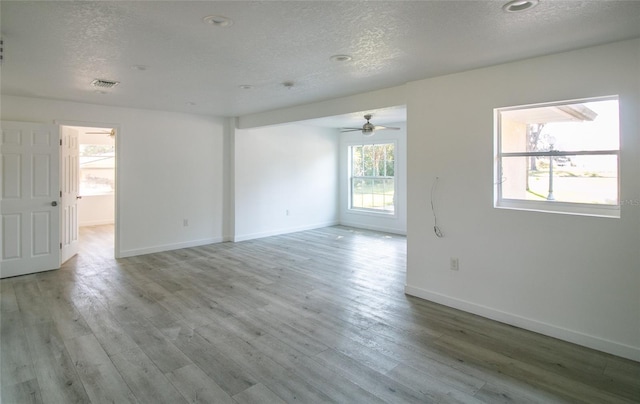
251 236
169 247
96 223
372 227
576 337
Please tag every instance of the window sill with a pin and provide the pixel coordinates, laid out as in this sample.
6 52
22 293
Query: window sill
579 209
373 213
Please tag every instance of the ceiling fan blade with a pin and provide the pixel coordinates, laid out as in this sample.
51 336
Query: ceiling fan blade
386 128
111 133
350 129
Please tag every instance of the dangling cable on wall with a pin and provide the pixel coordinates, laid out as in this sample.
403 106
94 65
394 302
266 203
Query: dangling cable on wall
436 228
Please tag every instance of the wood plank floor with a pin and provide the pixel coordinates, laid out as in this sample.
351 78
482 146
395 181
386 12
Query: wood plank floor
310 317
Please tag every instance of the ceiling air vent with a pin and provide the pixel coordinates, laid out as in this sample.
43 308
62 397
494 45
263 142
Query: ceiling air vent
104 83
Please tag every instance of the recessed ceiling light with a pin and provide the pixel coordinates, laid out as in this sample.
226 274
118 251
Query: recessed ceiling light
340 58
515 6
218 20
139 67
288 85
245 86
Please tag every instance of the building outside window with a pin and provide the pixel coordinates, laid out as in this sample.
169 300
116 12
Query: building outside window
560 157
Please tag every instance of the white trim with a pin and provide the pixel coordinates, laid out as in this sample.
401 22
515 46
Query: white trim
374 213
561 102
169 247
562 207
383 229
95 223
567 208
576 337
379 141
287 230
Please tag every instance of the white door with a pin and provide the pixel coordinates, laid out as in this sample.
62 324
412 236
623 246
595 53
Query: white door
30 235
70 194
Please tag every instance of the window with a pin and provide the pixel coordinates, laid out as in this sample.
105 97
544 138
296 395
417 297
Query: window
97 169
372 184
559 157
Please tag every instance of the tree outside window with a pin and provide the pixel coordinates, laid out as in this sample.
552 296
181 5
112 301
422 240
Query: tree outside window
372 181
559 157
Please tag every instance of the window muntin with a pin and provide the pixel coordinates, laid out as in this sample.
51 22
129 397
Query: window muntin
372 177
97 169
559 157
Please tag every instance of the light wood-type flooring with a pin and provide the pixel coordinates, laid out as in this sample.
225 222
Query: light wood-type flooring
310 317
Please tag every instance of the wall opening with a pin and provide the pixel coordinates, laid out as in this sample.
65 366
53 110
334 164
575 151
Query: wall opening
96 187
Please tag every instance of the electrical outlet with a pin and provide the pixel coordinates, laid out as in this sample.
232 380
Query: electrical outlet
185 222
454 264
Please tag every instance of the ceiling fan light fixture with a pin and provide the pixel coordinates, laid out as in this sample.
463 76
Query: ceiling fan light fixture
368 129
516 6
218 20
111 133
341 58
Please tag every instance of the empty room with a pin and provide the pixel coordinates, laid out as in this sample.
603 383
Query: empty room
320 201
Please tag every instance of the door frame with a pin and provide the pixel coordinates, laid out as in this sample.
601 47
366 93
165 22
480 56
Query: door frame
117 127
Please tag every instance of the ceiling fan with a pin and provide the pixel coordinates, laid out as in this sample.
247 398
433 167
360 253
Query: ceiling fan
368 128
111 133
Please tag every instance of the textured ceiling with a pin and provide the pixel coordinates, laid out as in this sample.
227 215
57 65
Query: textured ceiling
55 49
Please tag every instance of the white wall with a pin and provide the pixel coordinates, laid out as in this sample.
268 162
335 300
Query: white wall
393 224
170 167
96 210
572 277
279 168
389 97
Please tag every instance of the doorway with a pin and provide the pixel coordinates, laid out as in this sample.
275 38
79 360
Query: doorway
94 153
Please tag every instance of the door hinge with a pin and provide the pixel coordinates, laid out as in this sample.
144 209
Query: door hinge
60 142
61 246
60 194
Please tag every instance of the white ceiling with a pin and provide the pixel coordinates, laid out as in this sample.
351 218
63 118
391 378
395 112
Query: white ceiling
55 49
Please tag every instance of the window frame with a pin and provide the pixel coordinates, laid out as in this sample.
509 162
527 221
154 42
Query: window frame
563 207
351 177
